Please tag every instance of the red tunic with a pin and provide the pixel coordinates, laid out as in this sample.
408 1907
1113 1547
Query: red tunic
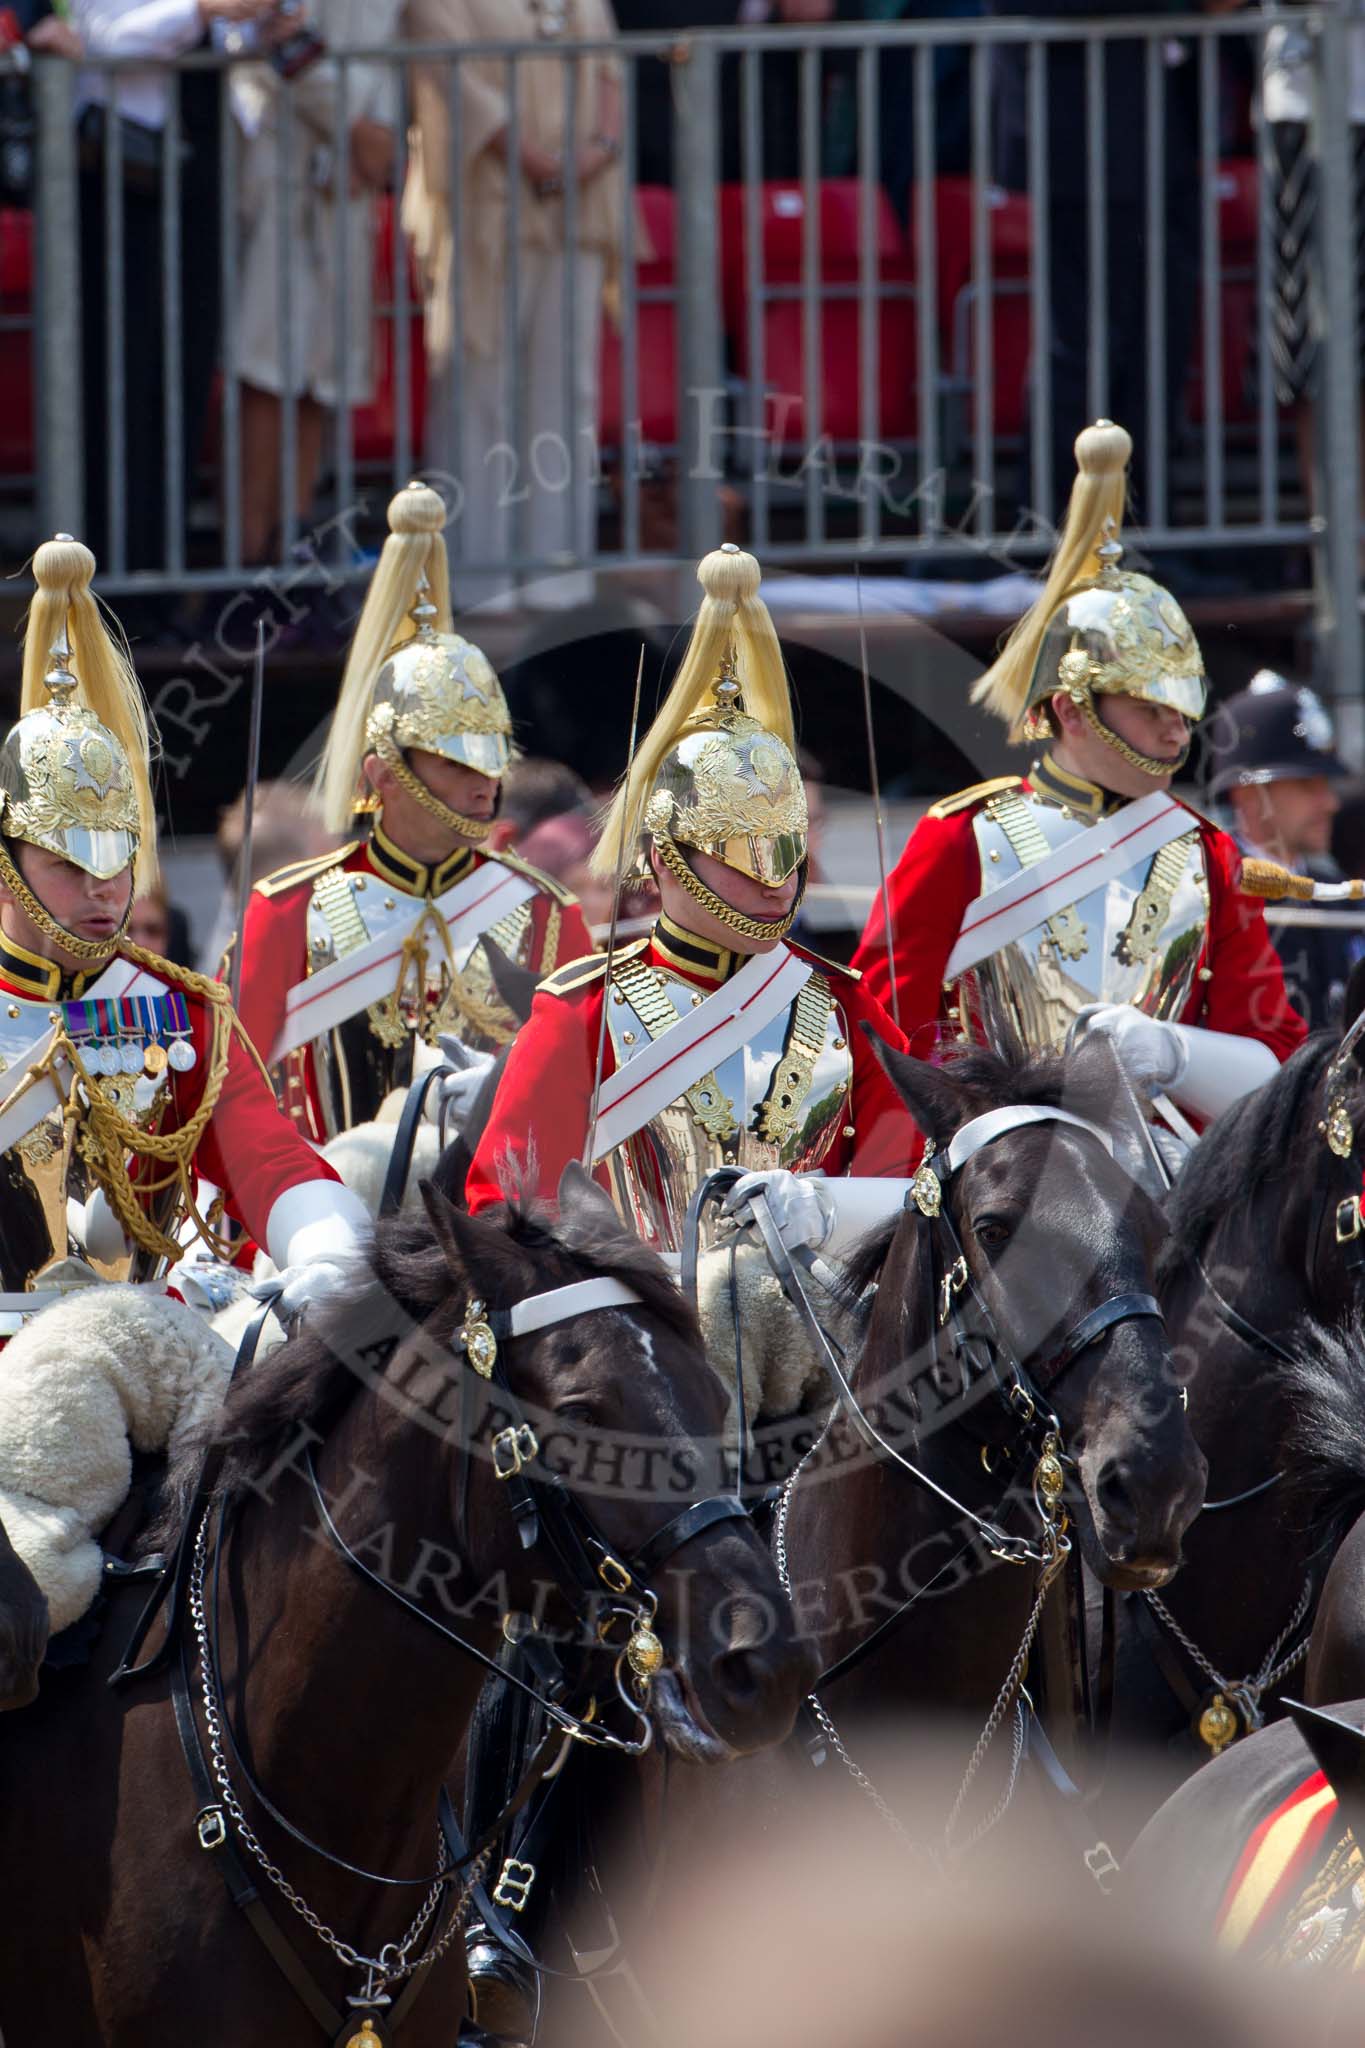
540 1115
939 875
275 957
248 1149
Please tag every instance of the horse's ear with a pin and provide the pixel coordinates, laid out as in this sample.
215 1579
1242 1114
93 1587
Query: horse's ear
933 1099
480 1254
583 1202
1354 1003
514 984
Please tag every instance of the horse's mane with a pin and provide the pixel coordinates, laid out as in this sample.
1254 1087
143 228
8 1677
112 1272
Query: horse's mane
993 1080
1261 1138
302 1389
1325 1447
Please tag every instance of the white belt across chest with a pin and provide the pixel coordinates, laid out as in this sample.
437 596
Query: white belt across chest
1088 861
666 1067
351 984
30 1101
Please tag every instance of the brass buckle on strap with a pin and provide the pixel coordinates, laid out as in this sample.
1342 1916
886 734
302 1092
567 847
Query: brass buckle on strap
211 1827
1348 1219
513 1887
513 1448
954 1280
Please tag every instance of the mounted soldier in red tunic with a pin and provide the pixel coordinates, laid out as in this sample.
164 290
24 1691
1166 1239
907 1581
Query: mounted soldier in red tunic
128 1077
713 1041
1086 891
355 960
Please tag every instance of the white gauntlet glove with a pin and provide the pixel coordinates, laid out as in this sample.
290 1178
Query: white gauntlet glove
458 1087
312 1234
1149 1051
799 1204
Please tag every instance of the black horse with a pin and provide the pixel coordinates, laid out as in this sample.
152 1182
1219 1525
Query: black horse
1264 1229
458 1438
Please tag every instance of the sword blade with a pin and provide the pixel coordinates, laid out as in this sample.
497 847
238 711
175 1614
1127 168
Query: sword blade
624 853
253 770
877 799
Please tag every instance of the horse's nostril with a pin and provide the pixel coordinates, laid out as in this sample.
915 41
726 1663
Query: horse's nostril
1113 1495
740 1674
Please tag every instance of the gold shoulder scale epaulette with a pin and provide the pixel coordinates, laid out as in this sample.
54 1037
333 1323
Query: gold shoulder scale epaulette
978 793
592 967
304 870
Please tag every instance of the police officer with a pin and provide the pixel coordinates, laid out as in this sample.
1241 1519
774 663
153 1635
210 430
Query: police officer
1272 764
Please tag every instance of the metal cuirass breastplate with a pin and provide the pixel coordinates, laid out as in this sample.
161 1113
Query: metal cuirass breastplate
45 1167
737 1114
1138 939
364 1058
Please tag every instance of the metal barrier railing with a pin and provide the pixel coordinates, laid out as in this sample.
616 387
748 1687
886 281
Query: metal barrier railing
864 386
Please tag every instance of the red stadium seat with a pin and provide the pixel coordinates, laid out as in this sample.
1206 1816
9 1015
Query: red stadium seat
782 232
1010 240
656 332
374 426
16 348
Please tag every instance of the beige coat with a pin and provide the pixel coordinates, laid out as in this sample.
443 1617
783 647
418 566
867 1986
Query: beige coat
484 105
321 211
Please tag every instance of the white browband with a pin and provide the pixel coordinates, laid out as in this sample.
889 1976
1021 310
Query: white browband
996 1122
558 1304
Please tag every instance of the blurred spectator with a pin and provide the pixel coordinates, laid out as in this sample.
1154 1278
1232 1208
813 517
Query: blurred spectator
562 847
1075 185
535 790
950 65
332 183
536 497
1348 829
1278 772
161 926
284 828
1298 307
156 30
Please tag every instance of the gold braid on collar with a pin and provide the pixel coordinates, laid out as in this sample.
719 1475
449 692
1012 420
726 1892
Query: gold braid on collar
476 830
716 906
40 915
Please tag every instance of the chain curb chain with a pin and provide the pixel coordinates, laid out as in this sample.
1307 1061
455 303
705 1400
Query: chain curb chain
1247 1692
1008 1694
392 1962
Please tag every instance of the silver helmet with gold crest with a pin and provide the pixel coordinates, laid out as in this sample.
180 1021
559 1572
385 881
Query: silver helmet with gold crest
75 767
717 772
411 681
1097 629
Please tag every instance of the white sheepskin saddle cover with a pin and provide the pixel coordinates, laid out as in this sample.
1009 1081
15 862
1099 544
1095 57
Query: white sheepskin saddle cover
107 1371
783 1372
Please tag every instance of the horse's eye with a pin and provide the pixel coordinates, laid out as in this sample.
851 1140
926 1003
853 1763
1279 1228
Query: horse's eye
991 1232
576 1415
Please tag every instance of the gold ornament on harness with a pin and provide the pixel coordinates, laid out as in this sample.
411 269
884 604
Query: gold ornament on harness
644 1654
366 2038
1218 1725
1338 1128
926 1190
476 1339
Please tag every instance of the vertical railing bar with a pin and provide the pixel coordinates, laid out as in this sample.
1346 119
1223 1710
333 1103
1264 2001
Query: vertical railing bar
1267 426
983 326
870 300
569 66
55 324
812 307
696 133
1156 512
930 491
755 291
114 332
289 397
632 434
1211 245
344 457
231 414
512 527
1096 185
1040 287
173 393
